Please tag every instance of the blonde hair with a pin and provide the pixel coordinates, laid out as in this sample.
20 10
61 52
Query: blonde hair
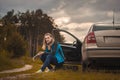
44 42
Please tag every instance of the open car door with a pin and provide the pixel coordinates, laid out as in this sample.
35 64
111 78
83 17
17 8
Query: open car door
71 46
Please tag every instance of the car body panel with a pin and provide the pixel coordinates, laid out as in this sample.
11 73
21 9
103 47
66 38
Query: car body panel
109 38
103 52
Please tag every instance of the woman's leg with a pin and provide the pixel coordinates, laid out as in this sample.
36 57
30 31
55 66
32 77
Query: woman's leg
43 58
49 59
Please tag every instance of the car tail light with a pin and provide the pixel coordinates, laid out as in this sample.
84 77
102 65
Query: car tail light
90 38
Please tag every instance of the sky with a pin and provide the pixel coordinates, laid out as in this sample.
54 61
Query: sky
75 16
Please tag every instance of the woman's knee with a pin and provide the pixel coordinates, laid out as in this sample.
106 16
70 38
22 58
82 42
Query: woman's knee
49 56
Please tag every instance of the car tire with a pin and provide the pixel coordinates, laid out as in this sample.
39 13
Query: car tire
84 66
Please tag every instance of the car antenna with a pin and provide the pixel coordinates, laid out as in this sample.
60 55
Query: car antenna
113 18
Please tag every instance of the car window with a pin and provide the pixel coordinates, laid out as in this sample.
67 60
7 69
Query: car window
99 28
67 38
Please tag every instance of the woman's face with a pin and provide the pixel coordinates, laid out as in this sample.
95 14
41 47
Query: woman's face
48 39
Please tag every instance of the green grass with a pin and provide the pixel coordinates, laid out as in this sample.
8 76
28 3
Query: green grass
71 75
63 74
6 63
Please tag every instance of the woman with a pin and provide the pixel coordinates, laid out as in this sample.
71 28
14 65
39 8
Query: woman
53 53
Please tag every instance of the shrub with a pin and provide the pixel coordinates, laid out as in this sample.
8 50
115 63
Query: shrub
16 45
4 60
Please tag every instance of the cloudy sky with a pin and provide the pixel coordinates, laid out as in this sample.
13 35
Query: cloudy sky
75 16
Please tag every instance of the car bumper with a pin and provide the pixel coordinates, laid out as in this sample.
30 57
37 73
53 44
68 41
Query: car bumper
103 52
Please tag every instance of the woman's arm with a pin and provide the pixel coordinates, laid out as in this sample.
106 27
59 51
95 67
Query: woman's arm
38 54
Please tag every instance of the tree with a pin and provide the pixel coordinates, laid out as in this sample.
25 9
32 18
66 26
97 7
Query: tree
9 17
36 24
10 39
33 26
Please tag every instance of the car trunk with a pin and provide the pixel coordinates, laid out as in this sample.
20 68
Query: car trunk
108 38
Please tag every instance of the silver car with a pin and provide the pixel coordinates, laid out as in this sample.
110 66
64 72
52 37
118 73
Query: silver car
101 45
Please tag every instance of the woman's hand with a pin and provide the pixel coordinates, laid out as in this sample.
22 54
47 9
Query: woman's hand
38 54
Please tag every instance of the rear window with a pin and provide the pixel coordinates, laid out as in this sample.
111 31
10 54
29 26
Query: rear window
99 28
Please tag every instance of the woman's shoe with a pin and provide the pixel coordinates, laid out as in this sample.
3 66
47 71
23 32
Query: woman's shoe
39 71
49 70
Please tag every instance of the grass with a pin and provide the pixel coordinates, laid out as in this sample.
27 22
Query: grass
63 74
70 75
6 63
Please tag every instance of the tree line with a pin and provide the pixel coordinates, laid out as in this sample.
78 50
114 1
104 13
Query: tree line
24 31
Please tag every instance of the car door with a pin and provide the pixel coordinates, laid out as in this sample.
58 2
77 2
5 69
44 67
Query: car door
71 46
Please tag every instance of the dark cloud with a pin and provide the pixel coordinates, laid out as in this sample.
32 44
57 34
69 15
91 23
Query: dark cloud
23 5
97 10
78 10
106 5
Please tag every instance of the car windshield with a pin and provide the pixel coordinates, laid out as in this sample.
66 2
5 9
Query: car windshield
99 28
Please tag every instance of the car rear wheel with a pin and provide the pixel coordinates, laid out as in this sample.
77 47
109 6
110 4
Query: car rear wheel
84 66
